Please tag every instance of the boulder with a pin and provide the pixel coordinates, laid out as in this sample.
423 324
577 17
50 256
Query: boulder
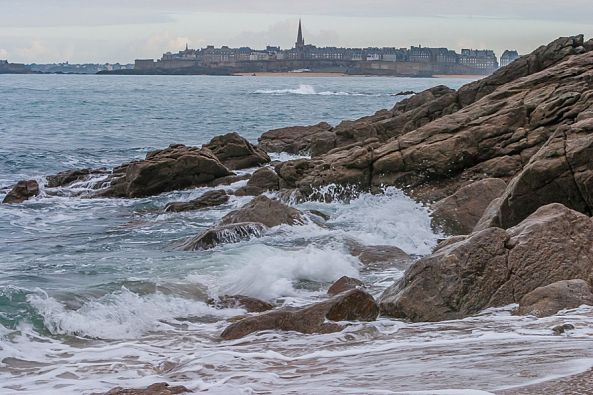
22 191
314 139
380 256
265 211
495 267
174 168
550 299
252 305
459 213
344 284
69 177
236 153
263 180
228 180
154 389
353 305
208 199
224 234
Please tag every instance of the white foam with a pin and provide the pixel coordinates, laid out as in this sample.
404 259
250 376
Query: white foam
304 89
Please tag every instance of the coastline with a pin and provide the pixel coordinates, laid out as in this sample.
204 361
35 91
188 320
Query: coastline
291 74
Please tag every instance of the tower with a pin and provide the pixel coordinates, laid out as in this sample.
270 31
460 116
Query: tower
300 42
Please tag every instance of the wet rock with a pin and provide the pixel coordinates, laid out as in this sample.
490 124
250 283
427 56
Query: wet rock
69 177
560 329
459 213
320 214
174 168
344 284
224 234
154 389
380 256
405 93
250 304
236 153
263 180
228 180
22 191
208 199
495 267
550 299
265 211
315 139
354 305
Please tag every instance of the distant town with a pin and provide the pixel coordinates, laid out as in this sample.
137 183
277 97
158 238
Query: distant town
416 61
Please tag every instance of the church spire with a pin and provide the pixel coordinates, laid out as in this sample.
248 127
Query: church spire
300 42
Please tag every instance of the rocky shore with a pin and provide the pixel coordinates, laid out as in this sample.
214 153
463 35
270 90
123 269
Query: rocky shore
505 163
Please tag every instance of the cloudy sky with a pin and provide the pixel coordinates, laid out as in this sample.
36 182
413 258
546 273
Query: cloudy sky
121 30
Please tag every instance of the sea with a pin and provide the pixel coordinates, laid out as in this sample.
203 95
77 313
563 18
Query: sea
94 294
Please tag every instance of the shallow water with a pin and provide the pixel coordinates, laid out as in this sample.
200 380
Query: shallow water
93 293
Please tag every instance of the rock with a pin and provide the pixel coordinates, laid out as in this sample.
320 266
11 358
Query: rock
22 191
250 304
405 93
550 299
228 180
263 180
344 284
447 242
236 153
561 172
320 214
69 177
380 256
224 234
353 305
495 267
174 168
265 211
299 139
459 213
208 199
560 329
437 141
154 389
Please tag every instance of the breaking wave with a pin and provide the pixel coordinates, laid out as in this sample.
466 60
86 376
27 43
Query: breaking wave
310 90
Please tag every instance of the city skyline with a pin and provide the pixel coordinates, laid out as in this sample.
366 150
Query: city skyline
122 31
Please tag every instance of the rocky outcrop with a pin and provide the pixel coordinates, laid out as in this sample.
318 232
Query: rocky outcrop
263 180
495 267
174 168
459 213
552 298
265 211
353 305
488 129
154 389
208 199
379 256
66 178
252 305
22 191
314 140
344 284
235 152
224 234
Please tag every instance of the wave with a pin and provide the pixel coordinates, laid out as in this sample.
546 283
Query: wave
310 90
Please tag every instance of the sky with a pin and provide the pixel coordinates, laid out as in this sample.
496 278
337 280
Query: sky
91 31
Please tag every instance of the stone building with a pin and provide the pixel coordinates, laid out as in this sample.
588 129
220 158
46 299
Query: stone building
508 57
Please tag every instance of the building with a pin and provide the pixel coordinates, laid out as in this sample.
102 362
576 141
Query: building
479 59
508 57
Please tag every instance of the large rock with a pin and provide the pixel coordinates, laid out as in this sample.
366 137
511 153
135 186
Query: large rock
69 177
459 213
174 168
236 153
224 234
561 172
314 139
344 284
154 389
488 129
552 298
252 305
22 191
354 305
265 211
379 256
495 267
264 179
208 199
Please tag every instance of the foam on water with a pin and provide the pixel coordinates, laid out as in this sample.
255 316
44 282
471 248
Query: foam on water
304 89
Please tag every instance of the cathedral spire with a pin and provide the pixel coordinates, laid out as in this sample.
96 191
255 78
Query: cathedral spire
300 42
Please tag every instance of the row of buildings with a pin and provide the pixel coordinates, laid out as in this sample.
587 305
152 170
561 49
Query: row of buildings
469 60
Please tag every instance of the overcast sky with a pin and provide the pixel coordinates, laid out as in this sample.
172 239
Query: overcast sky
102 31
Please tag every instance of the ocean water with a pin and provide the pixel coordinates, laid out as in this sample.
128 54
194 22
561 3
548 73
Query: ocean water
93 293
